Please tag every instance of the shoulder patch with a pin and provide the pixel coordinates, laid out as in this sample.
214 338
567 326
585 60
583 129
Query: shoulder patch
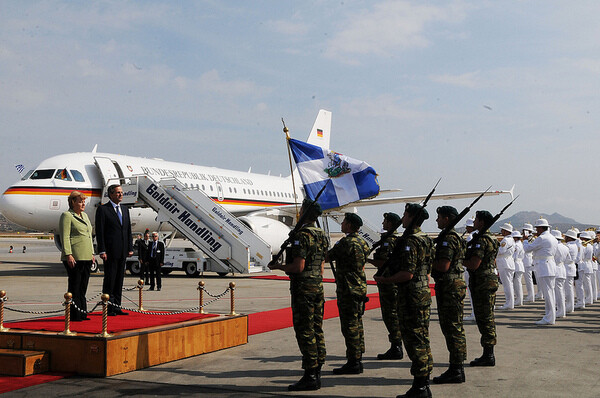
296 242
444 243
406 248
503 244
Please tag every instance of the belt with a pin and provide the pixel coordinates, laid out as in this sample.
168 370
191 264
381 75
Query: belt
542 258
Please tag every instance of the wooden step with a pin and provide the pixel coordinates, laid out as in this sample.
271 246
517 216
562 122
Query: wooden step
23 362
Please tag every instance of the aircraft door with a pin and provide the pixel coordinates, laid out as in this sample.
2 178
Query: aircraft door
111 174
219 191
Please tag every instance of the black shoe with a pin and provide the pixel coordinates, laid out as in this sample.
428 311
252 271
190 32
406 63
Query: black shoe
349 368
111 314
454 374
158 289
395 352
308 382
147 281
151 287
484 360
417 392
121 312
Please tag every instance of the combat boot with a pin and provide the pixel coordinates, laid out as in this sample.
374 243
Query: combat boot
352 367
454 374
395 352
318 370
487 359
419 389
308 382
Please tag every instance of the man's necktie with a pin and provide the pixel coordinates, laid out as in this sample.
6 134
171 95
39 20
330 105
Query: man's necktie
119 214
154 250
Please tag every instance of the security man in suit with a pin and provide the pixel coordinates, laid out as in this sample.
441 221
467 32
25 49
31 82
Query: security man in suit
156 259
113 236
388 292
350 254
450 291
410 265
142 247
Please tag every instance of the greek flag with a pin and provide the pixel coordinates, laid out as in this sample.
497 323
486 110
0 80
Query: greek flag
20 168
347 179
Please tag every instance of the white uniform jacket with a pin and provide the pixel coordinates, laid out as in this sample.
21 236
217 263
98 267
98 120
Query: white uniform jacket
504 258
543 249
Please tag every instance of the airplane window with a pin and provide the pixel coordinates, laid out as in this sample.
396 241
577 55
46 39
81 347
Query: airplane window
229 189
244 189
203 187
62 175
234 190
26 176
42 174
77 176
211 188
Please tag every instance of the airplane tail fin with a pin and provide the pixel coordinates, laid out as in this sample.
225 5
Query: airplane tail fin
321 130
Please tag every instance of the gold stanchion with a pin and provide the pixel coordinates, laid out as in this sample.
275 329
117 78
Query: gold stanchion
140 286
2 328
232 288
104 333
201 298
67 331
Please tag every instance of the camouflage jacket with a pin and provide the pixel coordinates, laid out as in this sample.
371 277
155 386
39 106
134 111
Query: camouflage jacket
310 243
350 254
486 248
452 247
413 255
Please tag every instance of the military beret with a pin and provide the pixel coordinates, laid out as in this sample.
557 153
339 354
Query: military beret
354 219
447 211
415 208
392 217
313 209
484 216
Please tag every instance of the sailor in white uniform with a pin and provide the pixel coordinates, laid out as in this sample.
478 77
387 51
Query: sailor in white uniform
586 269
561 256
543 248
528 265
571 268
596 270
470 230
519 267
506 266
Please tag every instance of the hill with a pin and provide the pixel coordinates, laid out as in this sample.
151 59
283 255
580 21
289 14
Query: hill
557 221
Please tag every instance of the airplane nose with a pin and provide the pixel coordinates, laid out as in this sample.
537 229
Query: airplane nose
13 208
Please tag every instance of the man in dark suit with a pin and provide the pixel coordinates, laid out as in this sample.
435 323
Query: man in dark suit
113 235
156 257
143 253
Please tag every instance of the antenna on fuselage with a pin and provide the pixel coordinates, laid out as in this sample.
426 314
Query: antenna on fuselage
95 147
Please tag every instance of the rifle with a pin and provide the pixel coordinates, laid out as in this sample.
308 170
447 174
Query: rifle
410 227
459 217
486 227
299 225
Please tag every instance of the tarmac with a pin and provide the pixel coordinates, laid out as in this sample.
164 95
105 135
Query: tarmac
562 360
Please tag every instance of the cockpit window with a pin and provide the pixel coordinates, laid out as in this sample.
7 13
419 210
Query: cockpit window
42 174
26 176
62 174
77 176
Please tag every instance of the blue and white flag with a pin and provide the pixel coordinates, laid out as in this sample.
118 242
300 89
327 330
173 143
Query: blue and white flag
20 168
347 179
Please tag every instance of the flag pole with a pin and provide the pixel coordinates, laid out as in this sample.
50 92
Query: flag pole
287 136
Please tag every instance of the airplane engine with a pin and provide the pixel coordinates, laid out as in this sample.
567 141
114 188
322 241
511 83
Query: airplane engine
271 231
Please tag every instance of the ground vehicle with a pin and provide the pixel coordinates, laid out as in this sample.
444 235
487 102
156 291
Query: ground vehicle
187 259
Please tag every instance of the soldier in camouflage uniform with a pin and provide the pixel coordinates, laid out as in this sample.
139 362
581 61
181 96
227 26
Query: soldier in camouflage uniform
388 292
410 265
350 254
483 282
305 261
450 291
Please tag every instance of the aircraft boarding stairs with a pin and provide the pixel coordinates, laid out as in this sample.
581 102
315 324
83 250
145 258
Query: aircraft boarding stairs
230 244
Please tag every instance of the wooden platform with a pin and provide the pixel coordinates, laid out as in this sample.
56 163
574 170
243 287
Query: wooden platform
90 355
22 362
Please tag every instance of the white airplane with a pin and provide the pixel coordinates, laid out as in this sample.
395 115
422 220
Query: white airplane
265 203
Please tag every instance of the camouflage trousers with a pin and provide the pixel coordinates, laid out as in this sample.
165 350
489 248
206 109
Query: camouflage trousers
388 298
308 305
413 316
350 307
483 290
450 297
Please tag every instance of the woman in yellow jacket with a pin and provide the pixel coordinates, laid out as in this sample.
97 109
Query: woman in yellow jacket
77 252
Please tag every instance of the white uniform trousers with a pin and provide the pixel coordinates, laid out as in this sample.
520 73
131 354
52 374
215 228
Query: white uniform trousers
580 291
529 284
518 287
587 287
540 292
569 294
594 286
598 284
506 276
546 285
559 294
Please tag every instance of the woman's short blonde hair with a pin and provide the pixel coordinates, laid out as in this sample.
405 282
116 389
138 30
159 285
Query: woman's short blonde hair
74 195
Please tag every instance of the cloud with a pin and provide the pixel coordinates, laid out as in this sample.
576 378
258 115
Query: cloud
467 80
388 27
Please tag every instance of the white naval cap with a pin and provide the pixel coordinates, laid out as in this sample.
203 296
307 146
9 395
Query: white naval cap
542 222
507 227
557 234
528 227
470 222
576 230
571 234
588 234
516 234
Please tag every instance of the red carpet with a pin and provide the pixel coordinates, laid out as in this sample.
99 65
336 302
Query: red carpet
11 383
286 278
115 323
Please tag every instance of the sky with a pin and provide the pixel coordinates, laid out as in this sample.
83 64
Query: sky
476 93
